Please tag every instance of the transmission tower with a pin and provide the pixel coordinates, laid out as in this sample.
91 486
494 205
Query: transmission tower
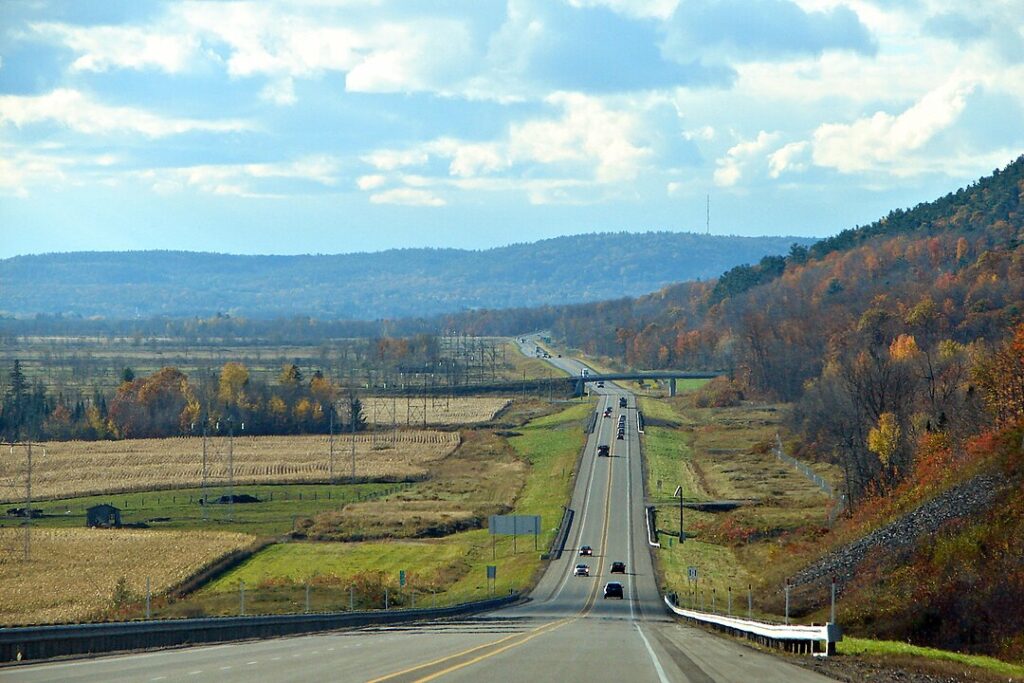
16 481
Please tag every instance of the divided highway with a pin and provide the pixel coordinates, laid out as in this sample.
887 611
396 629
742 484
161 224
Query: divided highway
567 631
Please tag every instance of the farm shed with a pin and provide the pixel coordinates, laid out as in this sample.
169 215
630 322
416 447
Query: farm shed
104 515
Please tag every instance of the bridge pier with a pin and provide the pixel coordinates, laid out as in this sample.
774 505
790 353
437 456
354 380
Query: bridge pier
672 386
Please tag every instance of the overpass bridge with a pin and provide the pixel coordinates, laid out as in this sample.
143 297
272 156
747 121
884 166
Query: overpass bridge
670 375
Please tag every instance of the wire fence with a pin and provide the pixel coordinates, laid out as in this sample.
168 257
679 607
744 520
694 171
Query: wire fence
838 503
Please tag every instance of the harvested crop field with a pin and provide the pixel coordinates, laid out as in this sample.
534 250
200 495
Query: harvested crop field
73 573
80 468
408 411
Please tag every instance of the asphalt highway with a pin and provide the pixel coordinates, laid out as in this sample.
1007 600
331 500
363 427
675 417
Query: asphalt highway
568 631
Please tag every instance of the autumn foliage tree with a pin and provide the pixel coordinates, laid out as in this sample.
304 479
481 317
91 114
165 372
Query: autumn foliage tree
162 404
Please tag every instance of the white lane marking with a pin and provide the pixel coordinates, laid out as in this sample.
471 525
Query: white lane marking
583 511
275 659
654 658
195 673
251 663
117 658
629 531
158 678
330 649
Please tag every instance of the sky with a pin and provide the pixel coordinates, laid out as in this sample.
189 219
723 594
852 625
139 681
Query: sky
360 125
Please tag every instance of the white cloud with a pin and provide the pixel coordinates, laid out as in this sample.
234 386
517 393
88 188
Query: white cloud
280 92
470 159
20 170
371 182
537 190
643 9
883 140
731 167
704 133
103 47
408 197
24 169
790 157
246 180
81 113
258 39
597 144
390 159
588 131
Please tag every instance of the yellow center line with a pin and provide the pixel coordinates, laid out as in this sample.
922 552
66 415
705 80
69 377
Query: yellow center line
530 635
446 658
551 627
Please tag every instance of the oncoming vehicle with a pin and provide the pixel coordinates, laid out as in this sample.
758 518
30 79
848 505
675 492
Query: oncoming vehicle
621 436
613 589
622 402
618 567
581 570
600 384
586 550
603 450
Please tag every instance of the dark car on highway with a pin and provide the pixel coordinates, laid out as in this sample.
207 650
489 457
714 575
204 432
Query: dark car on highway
603 450
586 550
618 567
613 589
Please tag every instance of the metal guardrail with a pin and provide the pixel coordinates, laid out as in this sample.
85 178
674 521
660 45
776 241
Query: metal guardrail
561 536
42 642
817 640
652 527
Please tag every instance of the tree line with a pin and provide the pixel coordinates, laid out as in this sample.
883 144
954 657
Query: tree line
166 403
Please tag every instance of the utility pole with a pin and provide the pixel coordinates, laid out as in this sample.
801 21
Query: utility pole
231 470
331 444
28 505
352 419
204 492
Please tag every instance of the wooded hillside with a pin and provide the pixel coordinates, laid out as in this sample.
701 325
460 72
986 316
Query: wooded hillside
372 286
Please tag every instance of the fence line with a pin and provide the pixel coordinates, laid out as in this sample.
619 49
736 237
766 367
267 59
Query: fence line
816 479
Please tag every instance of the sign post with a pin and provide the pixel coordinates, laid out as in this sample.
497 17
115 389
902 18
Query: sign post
492 577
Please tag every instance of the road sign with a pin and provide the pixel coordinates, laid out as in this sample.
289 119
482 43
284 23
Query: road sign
693 573
401 578
678 493
514 525
492 571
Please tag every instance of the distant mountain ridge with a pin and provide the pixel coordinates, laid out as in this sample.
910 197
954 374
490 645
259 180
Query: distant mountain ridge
387 284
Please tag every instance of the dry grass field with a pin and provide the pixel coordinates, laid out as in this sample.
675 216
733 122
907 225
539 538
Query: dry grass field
80 468
73 573
439 410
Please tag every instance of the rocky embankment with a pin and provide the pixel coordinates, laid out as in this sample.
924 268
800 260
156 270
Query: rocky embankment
903 533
